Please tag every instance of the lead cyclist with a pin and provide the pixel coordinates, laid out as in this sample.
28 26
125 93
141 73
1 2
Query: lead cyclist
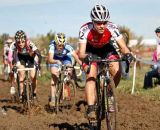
94 38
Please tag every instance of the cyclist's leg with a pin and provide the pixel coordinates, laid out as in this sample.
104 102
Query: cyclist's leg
21 78
115 71
54 79
34 83
90 90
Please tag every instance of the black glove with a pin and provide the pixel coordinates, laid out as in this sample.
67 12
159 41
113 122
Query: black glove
128 57
38 67
87 59
14 69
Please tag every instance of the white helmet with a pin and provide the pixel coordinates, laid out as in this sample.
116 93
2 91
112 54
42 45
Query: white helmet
9 41
99 14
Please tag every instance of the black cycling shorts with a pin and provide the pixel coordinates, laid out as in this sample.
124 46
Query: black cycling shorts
103 52
26 59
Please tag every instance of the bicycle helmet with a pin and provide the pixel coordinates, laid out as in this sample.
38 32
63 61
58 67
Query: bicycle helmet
9 41
60 39
20 35
157 30
99 14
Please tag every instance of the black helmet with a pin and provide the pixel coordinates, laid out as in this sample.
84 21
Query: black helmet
20 34
157 30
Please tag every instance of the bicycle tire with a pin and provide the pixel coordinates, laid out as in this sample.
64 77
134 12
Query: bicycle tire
58 96
111 117
69 101
62 101
27 97
100 105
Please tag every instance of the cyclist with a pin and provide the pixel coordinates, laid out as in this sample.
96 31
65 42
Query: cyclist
94 38
60 52
7 44
24 51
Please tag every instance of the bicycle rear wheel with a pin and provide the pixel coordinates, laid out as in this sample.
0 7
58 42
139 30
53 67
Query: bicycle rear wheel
111 117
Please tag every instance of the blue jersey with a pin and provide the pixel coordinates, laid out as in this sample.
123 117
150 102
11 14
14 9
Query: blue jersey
59 54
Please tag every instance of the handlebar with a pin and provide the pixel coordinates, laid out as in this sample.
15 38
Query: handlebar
99 60
65 67
15 71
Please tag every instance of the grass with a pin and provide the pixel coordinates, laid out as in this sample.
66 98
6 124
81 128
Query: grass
125 86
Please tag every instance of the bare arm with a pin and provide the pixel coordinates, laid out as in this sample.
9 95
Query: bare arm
123 47
82 50
51 60
74 54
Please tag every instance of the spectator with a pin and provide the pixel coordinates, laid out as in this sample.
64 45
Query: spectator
155 72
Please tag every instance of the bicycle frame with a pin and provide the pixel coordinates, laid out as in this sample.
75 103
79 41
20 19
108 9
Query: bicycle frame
27 97
103 82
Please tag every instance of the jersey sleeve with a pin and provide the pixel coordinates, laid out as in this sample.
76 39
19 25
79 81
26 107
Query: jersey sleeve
51 47
11 50
69 48
33 46
114 31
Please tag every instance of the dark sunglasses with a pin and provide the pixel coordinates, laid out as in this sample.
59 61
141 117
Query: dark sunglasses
100 23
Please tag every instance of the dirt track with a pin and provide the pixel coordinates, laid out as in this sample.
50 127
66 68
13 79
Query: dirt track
135 113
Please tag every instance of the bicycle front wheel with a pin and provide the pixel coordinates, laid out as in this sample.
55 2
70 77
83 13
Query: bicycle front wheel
28 97
111 101
67 96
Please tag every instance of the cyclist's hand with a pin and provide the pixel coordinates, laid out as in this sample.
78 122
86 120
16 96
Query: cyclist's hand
59 62
87 59
14 69
38 67
128 57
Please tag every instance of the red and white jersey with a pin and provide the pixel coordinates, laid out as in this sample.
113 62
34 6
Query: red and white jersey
88 35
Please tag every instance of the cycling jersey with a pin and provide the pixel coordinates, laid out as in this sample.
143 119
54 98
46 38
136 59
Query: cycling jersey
89 35
99 43
6 51
22 54
60 54
158 46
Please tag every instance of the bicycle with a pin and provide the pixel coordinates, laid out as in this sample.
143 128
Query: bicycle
66 89
27 95
104 87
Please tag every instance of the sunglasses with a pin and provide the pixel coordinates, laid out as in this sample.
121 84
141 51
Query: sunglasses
20 41
100 23
60 45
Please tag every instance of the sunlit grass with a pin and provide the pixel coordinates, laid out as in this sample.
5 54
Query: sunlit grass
125 86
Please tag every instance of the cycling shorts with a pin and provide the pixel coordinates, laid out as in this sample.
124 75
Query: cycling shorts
23 59
107 51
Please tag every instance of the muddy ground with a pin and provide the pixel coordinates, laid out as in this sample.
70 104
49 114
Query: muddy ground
135 113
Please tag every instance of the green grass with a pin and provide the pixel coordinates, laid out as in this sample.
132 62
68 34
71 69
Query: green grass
125 86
